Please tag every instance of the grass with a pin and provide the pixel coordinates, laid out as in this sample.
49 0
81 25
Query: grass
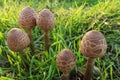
72 22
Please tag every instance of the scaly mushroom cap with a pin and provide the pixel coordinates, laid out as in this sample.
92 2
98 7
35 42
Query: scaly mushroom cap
65 61
93 44
17 40
27 18
45 19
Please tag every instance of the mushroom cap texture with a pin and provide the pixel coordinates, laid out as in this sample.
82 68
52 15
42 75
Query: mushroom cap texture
93 44
45 19
17 40
27 18
65 61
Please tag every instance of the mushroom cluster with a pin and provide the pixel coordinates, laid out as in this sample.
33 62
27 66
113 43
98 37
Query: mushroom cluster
65 61
17 40
28 18
93 45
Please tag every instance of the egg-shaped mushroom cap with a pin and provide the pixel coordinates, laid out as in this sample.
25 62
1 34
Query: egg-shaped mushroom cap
65 61
93 44
27 18
17 40
45 19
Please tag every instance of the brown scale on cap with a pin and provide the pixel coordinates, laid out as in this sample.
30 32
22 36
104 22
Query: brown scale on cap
45 19
17 40
93 44
27 18
65 61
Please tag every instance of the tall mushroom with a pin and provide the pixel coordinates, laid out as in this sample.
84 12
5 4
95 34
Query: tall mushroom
27 20
45 20
93 45
65 61
17 40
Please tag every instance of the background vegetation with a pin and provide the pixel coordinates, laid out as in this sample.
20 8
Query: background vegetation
73 19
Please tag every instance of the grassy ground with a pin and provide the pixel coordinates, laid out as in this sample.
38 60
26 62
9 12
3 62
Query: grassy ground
73 20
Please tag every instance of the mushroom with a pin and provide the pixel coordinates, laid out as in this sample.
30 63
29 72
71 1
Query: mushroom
93 45
65 61
27 20
17 40
45 20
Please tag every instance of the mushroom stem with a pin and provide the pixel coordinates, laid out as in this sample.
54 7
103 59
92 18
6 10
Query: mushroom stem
47 40
89 69
31 41
65 76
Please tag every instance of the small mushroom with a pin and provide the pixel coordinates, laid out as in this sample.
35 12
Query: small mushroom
93 45
27 20
17 40
45 20
65 61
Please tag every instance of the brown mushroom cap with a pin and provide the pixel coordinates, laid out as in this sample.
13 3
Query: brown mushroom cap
65 61
93 44
17 40
45 19
27 18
